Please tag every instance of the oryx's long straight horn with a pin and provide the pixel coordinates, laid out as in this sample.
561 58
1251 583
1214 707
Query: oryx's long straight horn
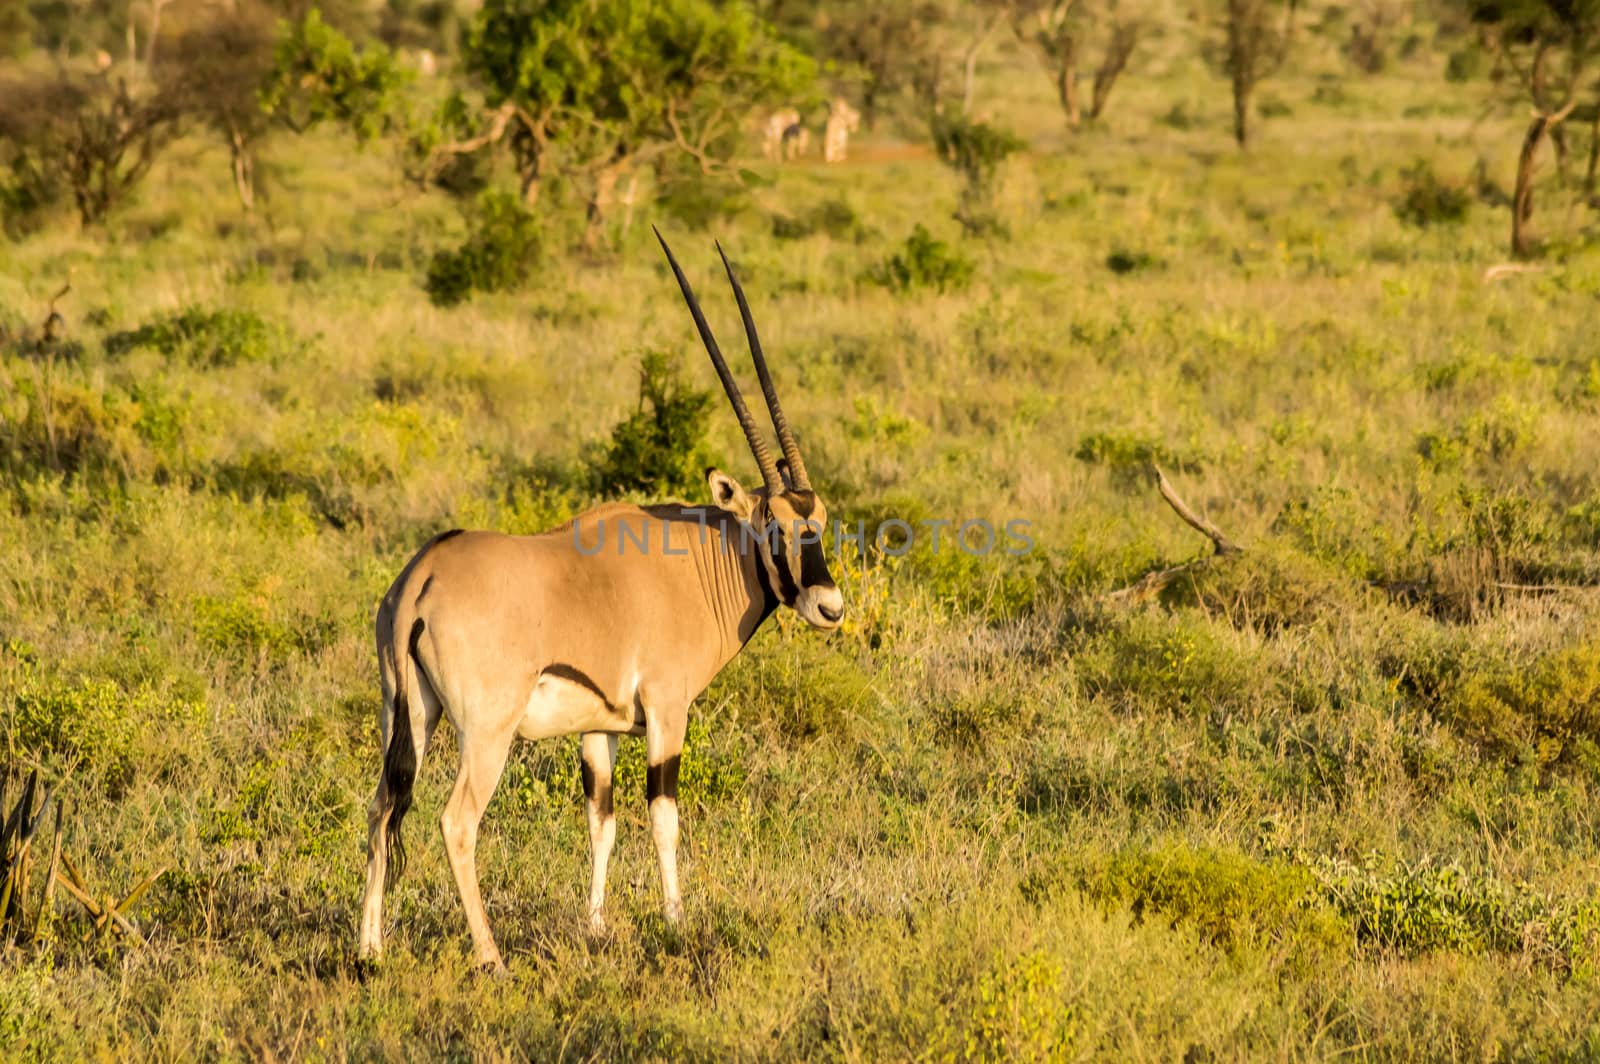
791 449
752 431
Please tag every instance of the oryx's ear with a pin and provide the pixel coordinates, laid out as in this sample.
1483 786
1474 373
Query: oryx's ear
726 493
783 471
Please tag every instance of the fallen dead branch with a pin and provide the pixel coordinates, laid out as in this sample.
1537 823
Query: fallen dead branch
17 833
1152 584
1507 269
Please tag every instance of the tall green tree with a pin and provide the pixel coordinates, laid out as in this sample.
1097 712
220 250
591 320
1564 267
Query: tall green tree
589 89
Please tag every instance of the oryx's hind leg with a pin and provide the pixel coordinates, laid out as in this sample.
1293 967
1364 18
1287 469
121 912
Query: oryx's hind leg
411 723
663 738
483 759
599 755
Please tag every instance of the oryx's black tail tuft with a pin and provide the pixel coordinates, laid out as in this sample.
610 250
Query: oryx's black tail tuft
400 760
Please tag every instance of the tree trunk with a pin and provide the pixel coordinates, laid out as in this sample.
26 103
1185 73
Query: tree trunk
1243 89
1522 241
869 101
970 64
1118 51
1067 79
244 169
605 184
1589 178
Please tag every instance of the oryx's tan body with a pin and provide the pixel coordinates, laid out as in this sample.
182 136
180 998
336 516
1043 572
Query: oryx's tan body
668 598
610 624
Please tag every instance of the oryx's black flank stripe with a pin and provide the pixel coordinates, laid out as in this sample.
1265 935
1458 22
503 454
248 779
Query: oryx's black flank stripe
661 781
400 760
442 536
596 792
579 677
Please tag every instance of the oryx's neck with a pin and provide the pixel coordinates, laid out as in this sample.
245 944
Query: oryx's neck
733 581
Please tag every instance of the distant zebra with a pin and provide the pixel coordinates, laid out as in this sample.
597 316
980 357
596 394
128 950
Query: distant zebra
782 130
843 120
776 133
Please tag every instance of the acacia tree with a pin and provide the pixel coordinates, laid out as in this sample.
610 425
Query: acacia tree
1253 48
886 41
243 76
1059 31
588 89
96 136
1551 49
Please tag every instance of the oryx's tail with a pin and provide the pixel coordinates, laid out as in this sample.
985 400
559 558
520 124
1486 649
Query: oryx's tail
400 759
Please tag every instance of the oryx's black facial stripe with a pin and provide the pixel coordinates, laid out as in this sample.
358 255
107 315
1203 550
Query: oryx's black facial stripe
804 502
661 781
813 567
769 598
596 792
779 555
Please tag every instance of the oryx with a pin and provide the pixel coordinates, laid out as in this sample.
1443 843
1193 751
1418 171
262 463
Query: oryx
611 624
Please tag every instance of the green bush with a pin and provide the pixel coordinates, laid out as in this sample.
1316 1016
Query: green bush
1122 261
1426 200
974 150
699 202
500 250
660 447
211 338
1228 898
924 262
1424 907
87 726
1178 663
1466 64
834 217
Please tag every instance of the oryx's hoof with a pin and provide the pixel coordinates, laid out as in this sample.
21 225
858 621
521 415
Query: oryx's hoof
597 924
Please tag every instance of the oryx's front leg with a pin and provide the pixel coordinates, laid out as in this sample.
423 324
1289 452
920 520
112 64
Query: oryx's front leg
599 755
663 738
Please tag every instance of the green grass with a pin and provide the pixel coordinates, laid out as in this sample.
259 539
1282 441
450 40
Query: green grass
1333 797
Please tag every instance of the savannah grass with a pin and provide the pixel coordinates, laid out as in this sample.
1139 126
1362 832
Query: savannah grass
1338 795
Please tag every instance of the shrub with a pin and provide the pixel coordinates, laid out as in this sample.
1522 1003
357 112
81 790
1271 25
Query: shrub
91 136
660 447
1018 1013
1424 907
834 217
500 250
1227 898
1123 261
1174 662
87 726
211 338
700 202
973 150
924 262
1426 200
1466 64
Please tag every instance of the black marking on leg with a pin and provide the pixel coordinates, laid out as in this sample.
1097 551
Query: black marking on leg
595 791
661 781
